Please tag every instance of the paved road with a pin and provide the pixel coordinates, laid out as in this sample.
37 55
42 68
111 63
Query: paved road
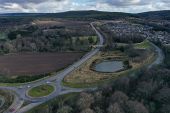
160 57
57 80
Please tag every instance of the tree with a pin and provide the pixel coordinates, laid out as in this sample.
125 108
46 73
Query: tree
135 107
145 89
115 108
98 98
88 110
65 109
119 97
126 64
98 110
91 40
163 96
85 100
122 84
165 109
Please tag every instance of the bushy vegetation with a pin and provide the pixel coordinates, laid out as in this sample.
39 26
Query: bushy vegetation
21 79
167 56
9 97
18 33
146 93
49 36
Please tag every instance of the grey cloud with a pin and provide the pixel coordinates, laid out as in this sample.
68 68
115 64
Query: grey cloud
21 1
120 3
65 5
23 5
26 1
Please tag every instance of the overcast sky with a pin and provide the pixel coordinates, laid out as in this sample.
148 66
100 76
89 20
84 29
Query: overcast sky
53 6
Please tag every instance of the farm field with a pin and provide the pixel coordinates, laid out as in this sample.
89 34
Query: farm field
25 64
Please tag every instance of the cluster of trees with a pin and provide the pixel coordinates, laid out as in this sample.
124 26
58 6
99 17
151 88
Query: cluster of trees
48 39
9 97
166 50
147 92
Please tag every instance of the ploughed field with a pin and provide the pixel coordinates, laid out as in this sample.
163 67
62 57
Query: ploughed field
36 63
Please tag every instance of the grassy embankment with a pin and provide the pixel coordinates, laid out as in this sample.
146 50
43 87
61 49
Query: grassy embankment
143 45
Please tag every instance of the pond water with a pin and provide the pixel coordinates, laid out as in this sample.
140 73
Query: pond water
109 66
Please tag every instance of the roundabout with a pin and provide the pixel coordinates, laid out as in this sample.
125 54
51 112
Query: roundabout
40 91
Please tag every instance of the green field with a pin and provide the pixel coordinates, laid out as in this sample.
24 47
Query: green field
40 91
143 45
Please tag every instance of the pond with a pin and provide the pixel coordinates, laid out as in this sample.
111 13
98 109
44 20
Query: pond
109 66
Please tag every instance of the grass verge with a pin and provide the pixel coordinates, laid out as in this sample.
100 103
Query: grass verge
41 91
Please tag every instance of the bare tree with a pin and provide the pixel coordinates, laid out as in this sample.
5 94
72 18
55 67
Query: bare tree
115 108
163 96
64 109
85 100
119 97
88 110
135 107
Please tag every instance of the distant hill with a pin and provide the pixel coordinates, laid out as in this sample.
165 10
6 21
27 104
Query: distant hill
163 15
73 14
101 15
93 14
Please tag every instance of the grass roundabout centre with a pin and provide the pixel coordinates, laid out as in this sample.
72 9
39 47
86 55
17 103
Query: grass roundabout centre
41 91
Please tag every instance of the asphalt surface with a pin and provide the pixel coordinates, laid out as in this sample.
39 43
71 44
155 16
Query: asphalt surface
56 80
160 56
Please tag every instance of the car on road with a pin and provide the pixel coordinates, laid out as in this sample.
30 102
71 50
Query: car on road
48 82
28 86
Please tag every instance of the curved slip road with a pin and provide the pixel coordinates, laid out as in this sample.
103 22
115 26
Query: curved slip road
160 57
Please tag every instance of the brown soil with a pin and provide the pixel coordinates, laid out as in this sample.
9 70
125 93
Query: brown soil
35 63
